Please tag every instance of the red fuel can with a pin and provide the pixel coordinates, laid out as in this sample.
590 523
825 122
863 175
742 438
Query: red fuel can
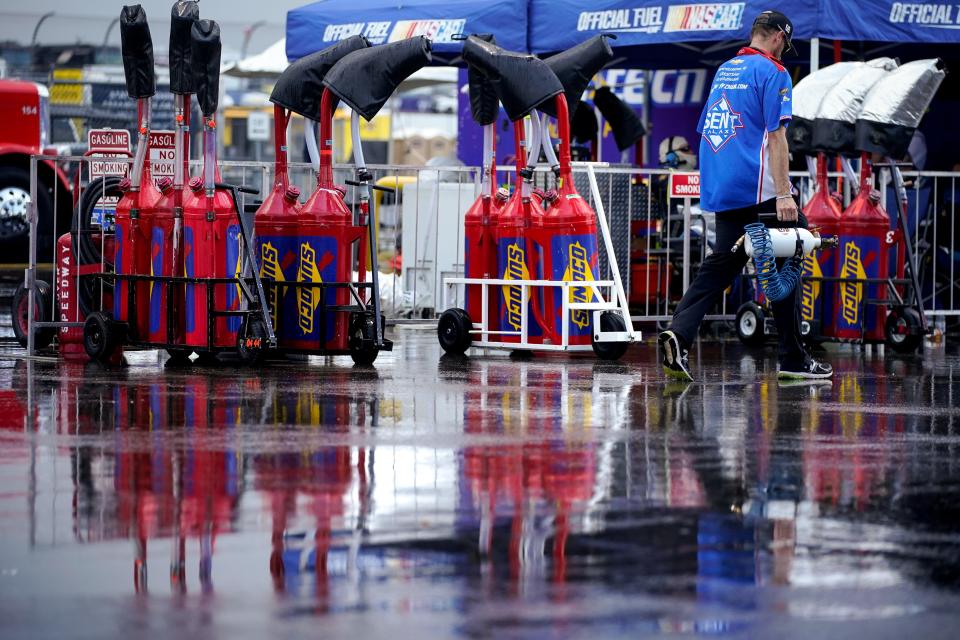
818 299
211 250
865 243
134 216
161 264
480 253
278 229
511 239
324 253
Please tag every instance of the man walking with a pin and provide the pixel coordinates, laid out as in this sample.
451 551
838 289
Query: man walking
744 172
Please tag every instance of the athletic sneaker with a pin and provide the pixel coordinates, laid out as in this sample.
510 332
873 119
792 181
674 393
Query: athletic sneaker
674 357
809 370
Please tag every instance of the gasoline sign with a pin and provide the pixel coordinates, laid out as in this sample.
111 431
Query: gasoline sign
162 154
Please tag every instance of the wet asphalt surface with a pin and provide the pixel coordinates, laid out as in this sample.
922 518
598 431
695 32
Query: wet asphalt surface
480 497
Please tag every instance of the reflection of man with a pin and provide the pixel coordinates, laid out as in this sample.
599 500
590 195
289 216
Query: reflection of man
744 171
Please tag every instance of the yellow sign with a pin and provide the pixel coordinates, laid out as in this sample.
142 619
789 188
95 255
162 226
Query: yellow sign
851 293
309 297
811 290
578 270
513 295
270 268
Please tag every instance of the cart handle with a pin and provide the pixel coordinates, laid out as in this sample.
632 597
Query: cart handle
354 183
238 187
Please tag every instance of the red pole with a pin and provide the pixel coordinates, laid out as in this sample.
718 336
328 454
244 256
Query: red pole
280 120
325 175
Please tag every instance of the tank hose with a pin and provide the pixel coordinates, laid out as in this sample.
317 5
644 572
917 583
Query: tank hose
776 286
86 249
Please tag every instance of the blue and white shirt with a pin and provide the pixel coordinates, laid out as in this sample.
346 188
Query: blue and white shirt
750 98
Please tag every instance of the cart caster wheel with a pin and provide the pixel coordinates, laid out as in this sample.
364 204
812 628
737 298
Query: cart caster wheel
20 308
362 341
903 330
453 331
611 321
750 318
179 357
251 343
101 337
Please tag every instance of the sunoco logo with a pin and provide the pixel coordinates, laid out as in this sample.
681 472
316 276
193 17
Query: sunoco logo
811 290
270 268
850 292
307 297
579 271
513 295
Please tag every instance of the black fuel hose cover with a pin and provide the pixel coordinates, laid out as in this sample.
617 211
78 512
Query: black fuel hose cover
136 46
585 126
484 104
521 81
575 67
182 16
365 79
300 86
205 50
626 125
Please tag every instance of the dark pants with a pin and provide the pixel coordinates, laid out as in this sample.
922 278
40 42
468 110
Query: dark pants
718 272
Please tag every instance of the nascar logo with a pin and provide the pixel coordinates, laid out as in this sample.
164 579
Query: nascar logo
579 271
513 295
713 16
270 268
851 292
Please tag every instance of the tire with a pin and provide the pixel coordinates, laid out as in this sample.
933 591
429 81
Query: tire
363 333
749 324
453 331
101 337
903 330
611 321
14 228
251 344
20 308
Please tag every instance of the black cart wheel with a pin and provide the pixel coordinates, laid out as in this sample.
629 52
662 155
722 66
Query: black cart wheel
252 340
20 310
750 319
101 337
903 330
363 339
611 321
453 331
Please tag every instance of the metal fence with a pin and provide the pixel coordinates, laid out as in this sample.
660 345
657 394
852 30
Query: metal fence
658 247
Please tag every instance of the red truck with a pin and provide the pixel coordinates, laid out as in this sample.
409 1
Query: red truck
24 131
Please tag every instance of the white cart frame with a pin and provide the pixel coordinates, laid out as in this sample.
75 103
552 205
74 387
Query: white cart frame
614 300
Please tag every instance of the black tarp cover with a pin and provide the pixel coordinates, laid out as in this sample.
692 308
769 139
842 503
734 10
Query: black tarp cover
484 104
137 48
365 79
521 81
182 17
300 86
626 125
205 36
575 67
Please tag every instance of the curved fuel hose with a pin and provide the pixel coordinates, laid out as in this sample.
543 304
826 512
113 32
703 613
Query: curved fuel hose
775 285
87 249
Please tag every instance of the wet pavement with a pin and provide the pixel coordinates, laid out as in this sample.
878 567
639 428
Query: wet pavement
480 497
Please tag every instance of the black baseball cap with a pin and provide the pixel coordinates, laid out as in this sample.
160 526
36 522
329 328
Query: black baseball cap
777 20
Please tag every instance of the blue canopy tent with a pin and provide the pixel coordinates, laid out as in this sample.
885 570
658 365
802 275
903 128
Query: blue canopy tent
318 25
